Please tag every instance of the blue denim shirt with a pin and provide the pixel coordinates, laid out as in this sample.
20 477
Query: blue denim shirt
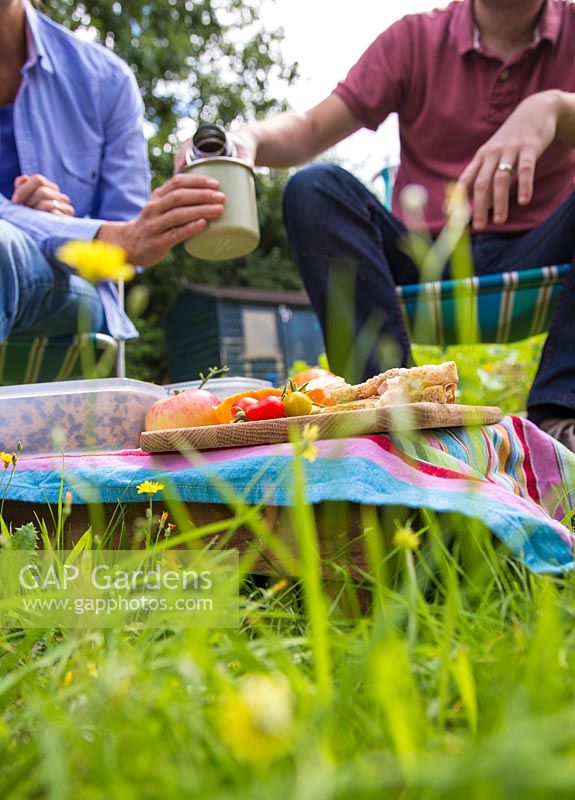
78 120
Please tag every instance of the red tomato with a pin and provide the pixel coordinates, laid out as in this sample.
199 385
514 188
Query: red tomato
243 404
224 413
268 408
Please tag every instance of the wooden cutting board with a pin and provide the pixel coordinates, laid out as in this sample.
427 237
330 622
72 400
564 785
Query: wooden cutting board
335 425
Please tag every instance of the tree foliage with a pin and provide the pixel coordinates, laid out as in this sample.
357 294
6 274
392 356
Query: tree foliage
206 61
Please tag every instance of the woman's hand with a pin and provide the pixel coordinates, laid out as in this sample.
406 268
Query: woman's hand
36 191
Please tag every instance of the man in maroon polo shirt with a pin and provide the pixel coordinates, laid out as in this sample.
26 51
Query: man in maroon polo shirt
484 90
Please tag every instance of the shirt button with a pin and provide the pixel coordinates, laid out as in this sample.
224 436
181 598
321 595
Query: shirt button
503 75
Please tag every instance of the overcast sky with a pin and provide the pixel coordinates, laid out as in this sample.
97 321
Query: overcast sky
327 37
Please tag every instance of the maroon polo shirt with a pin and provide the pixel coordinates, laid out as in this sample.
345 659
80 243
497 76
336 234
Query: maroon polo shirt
451 96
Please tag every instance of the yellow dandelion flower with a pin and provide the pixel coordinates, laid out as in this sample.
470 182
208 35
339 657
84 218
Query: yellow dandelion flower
406 539
257 720
8 459
92 669
310 452
279 586
309 435
68 678
96 261
150 487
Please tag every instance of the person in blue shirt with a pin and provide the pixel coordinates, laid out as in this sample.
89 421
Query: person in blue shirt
74 165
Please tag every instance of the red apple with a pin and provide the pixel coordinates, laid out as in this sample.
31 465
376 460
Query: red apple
186 409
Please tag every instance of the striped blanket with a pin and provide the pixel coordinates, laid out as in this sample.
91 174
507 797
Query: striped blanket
513 477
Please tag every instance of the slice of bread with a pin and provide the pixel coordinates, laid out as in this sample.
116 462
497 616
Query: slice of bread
432 383
429 383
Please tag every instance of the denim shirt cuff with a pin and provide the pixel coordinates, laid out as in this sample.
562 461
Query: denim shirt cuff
84 229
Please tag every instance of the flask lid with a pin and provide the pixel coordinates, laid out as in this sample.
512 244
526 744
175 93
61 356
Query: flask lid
209 140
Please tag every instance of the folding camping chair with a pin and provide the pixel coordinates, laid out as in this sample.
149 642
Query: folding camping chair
43 360
494 309
498 308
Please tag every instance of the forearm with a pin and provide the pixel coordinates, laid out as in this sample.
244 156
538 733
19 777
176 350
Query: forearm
284 141
291 139
565 104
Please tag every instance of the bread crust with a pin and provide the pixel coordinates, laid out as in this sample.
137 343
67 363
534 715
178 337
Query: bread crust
412 385
433 383
353 405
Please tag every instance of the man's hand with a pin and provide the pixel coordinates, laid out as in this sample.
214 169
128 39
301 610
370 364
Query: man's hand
243 143
512 151
180 157
38 192
176 211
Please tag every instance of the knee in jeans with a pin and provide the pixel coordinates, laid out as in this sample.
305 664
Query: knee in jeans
22 265
12 241
305 196
9 235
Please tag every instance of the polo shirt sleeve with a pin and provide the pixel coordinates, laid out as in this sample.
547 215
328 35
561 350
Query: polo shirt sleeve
376 84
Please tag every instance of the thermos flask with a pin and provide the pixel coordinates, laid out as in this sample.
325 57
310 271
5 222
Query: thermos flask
236 233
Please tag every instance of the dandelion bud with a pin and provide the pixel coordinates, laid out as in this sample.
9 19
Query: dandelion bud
414 199
406 538
137 301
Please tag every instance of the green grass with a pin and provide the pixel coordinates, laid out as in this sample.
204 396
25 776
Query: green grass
458 681
443 671
438 669
490 374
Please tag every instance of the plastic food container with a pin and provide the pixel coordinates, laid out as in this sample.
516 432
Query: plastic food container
101 415
221 387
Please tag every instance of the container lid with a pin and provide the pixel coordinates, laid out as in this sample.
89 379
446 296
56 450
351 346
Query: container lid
82 386
222 387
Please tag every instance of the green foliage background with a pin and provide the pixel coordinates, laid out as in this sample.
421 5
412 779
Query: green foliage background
211 61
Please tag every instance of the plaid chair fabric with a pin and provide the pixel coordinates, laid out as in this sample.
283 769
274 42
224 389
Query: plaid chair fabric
493 308
42 360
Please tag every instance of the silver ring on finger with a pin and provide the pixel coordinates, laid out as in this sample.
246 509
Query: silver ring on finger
505 166
56 204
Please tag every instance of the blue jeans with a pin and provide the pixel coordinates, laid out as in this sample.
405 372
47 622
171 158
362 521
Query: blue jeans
348 249
36 297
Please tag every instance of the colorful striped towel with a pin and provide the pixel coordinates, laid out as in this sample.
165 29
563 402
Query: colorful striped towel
513 477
